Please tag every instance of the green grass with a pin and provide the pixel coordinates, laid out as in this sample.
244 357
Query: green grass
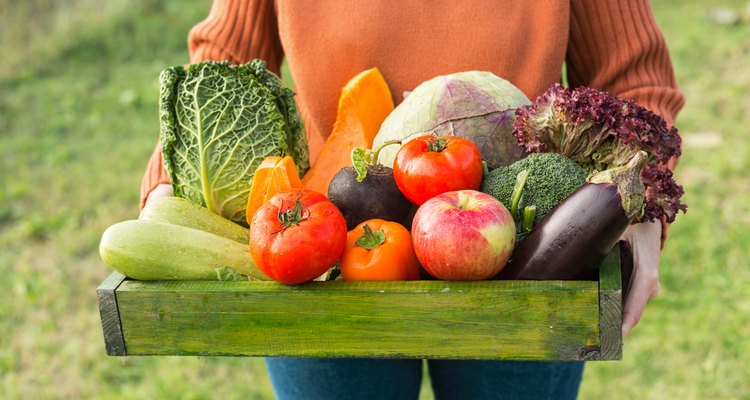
694 339
78 103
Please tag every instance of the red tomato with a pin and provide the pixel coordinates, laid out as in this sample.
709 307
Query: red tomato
430 165
297 236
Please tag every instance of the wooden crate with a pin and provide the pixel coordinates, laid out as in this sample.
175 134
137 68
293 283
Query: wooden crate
501 320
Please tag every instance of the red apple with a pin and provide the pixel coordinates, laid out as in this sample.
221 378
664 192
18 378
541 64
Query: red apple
463 235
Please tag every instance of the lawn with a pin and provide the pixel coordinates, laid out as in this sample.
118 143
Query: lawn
78 100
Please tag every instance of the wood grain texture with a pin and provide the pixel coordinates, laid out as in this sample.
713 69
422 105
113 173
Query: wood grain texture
525 320
610 304
114 341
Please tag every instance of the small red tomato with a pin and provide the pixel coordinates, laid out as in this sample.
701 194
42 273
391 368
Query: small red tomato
297 236
430 165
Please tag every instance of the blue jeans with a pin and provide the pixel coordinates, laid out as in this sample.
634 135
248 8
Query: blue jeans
361 378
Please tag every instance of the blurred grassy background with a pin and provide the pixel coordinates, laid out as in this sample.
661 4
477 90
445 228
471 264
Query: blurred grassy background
78 120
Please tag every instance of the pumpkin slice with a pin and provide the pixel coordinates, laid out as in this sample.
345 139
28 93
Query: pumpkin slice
364 103
274 175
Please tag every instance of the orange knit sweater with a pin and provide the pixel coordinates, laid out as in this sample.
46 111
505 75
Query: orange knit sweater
613 46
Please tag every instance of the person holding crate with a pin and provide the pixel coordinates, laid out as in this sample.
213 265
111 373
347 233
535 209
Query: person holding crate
611 46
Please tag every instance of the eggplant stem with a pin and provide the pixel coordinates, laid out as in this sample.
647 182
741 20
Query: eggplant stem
627 179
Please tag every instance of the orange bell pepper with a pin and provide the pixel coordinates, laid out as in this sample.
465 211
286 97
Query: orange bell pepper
379 250
274 175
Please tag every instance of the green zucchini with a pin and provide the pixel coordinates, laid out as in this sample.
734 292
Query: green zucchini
150 250
179 211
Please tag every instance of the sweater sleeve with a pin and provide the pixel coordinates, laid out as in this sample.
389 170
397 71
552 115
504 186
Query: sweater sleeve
617 47
234 30
238 31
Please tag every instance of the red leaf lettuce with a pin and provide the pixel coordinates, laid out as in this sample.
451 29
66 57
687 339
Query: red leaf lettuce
601 131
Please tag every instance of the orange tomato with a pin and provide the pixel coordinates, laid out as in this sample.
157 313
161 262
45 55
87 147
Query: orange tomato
379 250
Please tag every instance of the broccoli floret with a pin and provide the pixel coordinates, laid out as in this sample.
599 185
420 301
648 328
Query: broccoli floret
553 177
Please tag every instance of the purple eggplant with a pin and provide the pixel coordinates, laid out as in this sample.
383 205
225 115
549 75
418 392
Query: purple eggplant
573 239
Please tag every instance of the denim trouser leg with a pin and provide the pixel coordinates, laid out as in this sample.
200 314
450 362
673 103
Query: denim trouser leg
344 378
350 378
511 380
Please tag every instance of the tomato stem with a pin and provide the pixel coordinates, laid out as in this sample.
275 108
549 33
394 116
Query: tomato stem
370 239
292 215
436 143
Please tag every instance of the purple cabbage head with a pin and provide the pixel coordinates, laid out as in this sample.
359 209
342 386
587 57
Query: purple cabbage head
475 105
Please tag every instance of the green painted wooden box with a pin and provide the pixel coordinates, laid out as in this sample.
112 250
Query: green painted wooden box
509 320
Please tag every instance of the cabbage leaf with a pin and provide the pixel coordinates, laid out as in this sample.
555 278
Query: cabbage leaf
217 123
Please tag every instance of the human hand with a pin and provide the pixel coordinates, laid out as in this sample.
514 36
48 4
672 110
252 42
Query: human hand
645 244
161 190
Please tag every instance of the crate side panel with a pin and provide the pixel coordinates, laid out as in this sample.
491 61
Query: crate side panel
114 342
488 320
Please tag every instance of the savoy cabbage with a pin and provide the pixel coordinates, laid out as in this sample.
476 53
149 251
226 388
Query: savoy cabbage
217 123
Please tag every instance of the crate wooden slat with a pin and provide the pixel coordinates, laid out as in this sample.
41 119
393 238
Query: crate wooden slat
610 305
512 320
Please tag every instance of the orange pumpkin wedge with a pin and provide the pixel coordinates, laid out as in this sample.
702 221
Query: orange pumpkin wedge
364 103
273 175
